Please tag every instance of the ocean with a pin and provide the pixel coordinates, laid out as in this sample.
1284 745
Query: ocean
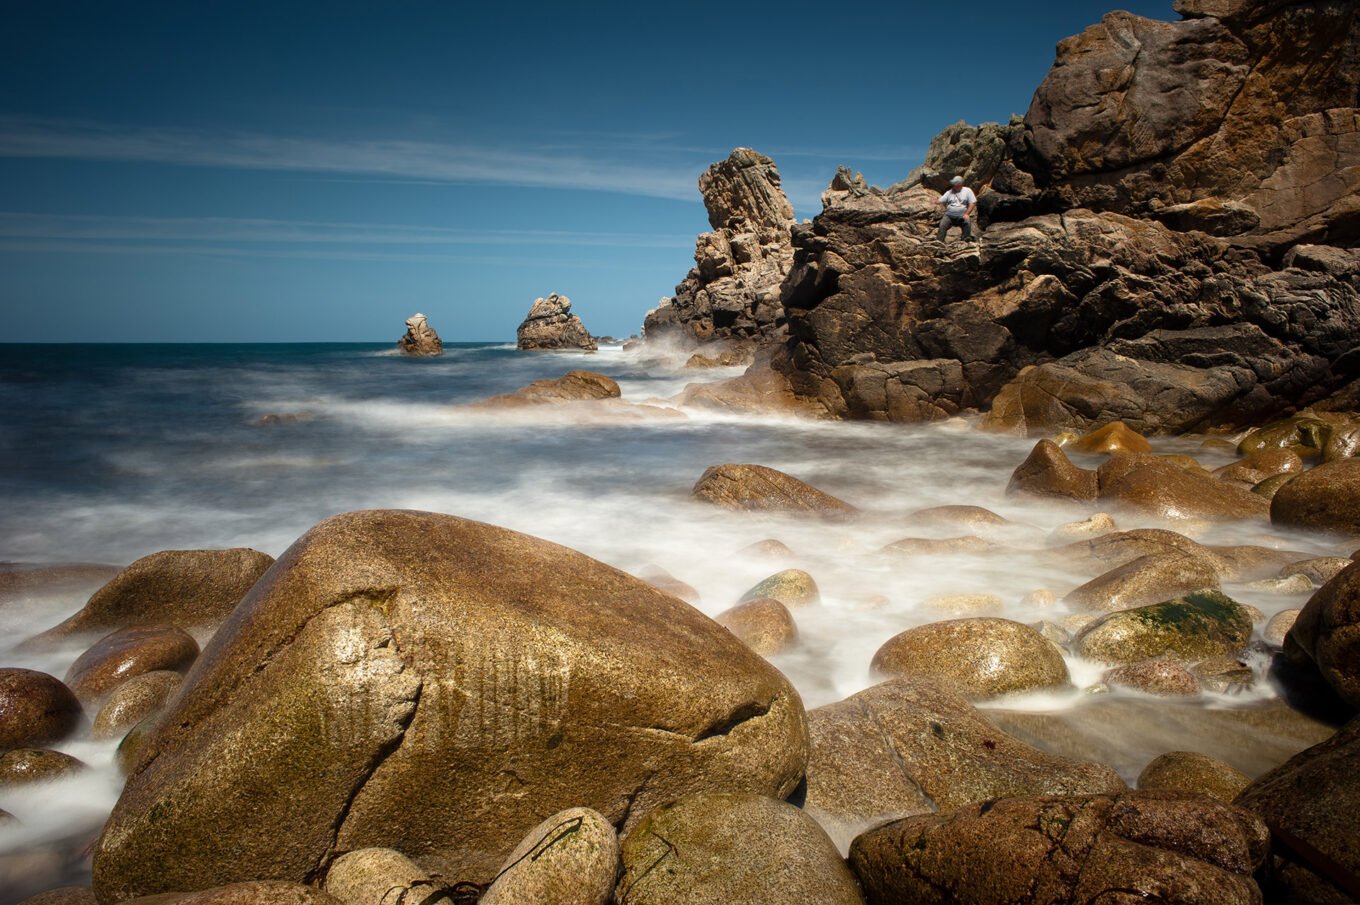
111 452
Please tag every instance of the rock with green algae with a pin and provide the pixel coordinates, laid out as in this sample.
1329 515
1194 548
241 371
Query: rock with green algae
1197 625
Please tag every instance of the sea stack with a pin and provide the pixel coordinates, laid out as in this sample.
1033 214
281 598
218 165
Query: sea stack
420 340
551 325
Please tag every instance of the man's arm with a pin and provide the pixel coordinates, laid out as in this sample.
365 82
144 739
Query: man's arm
972 204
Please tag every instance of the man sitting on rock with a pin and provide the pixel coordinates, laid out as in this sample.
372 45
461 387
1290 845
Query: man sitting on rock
958 203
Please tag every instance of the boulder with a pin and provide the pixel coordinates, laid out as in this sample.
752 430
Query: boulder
1223 674
388 651
1190 771
1279 625
1188 628
1318 570
1157 677
963 518
574 386
1123 847
1147 579
1167 491
1098 524
1327 631
940 546
35 709
764 625
1258 467
1112 438
135 700
572 858
1325 498
1304 435
981 657
963 604
550 325
65 895
22 766
1047 472
723 848
185 588
1312 805
791 587
732 292
916 746
420 340
250 892
378 876
127 653
755 488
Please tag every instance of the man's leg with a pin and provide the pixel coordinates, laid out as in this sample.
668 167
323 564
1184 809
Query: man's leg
967 228
945 222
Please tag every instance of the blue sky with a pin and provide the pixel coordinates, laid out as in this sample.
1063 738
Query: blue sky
242 171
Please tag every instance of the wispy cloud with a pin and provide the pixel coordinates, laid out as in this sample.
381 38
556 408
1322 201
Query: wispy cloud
401 158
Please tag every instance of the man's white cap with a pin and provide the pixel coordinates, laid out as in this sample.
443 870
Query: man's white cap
957 180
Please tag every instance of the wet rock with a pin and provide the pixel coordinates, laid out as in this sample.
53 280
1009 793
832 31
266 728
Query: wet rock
1325 498
964 604
1198 625
574 386
1279 625
1053 633
65 895
1041 598
981 658
1327 631
1167 491
1069 532
723 358
35 709
185 588
1112 438
764 625
22 766
1097 848
1312 804
250 892
913 747
127 653
1257 467
1120 547
1247 562
1294 584
572 858
1319 570
1189 771
378 876
1303 434
135 700
420 339
1271 486
770 548
1121 464
965 518
1223 675
1159 677
551 325
1047 472
1147 579
755 488
931 546
722 848
791 587
662 580
389 650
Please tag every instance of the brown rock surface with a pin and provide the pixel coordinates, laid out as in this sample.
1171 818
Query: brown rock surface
135 700
1147 579
35 709
574 386
1327 631
1047 472
420 339
756 488
764 625
1325 498
550 325
1189 771
572 858
21 766
979 657
127 653
1197 625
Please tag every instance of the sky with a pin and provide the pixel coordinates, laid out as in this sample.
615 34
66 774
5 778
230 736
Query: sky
216 171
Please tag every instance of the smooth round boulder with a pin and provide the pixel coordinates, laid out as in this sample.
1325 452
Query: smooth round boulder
186 588
377 876
127 653
24 766
1319 570
981 658
969 518
1190 771
572 858
1069 532
1110 439
1260 466
1304 434
1285 587
1123 848
1223 674
1279 625
1157 677
1189 628
1327 630
1148 579
1048 473
769 548
1271 486
723 848
791 587
35 709
250 892
1168 491
134 701
388 651
756 488
764 625
1325 499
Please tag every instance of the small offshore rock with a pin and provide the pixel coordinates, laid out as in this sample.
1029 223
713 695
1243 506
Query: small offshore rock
550 325
1189 771
35 709
764 625
420 339
756 488
1168 680
792 587
1047 472
574 386
1189 628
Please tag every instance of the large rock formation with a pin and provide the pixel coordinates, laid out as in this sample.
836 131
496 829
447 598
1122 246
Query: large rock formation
732 292
419 682
551 325
1145 256
420 340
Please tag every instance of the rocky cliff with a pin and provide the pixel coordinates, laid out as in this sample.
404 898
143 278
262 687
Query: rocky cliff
551 325
1170 240
732 292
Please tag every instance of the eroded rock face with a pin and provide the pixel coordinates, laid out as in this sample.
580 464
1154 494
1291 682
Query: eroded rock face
420 340
419 682
1133 846
732 293
551 325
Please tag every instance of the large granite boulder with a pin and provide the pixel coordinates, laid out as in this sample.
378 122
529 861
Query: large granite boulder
1121 848
1189 628
1326 498
732 292
551 325
35 709
1327 631
437 686
420 340
980 658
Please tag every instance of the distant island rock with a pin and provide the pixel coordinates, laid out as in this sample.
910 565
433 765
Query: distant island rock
732 292
420 340
551 325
